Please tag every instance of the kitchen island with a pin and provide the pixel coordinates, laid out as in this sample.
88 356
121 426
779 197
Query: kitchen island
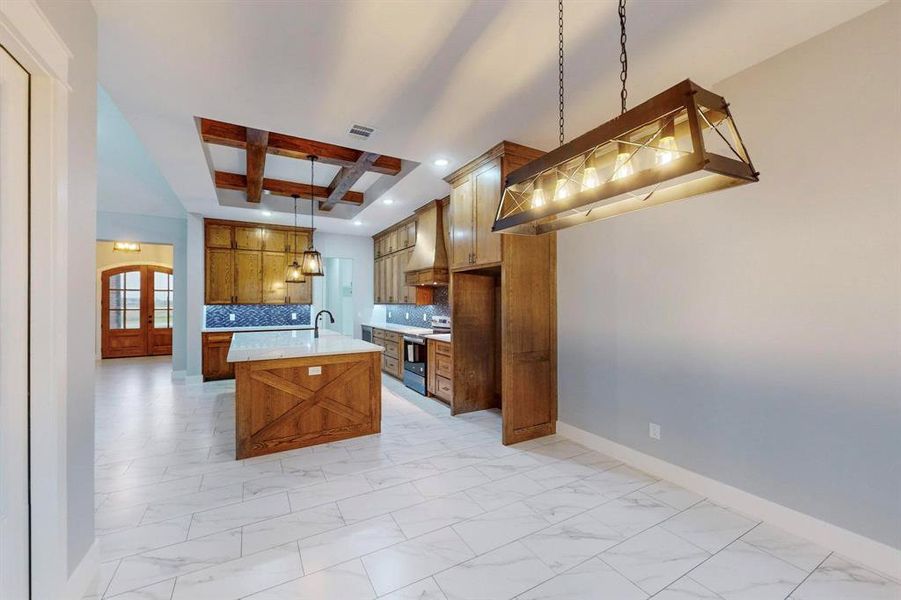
294 390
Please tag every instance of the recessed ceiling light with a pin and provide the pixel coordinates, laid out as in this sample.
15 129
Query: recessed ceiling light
266 213
358 223
388 201
441 162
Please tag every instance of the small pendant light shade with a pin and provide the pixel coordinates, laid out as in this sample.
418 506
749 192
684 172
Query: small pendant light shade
294 272
311 265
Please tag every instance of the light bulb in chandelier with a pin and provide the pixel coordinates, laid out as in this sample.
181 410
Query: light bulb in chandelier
590 179
562 190
667 150
537 197
623 166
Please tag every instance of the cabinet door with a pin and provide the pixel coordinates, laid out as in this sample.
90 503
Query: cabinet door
220 273
461 223
400 286
301 243
390 293
487 195
401 236
301 293
248 238
409 290
392 241
275 290
377 248
248 277
218 236
275 240
215 354
411 234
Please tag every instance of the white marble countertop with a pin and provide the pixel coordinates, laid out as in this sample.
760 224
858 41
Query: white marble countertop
441 337
401 328
256 328
270 345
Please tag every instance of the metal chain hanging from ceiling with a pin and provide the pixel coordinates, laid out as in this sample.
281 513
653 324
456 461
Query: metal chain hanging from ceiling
560 24
623 57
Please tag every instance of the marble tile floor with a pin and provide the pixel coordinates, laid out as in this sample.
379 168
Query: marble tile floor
433 508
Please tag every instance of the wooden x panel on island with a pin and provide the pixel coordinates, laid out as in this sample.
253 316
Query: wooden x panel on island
294 390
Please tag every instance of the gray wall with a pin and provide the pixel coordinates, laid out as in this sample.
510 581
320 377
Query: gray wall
761 326
157 230
76 24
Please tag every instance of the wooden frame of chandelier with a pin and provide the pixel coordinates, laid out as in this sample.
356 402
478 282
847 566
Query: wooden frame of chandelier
641 189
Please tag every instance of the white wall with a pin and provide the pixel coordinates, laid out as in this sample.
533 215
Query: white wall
358 249
760 326
76 24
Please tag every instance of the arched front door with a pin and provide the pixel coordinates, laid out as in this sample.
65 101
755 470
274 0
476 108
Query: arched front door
136 311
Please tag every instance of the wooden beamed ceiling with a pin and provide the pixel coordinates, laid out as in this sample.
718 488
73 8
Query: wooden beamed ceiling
280 187
258 143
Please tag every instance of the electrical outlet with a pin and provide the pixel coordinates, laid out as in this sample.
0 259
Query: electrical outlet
406 316
293 316
314 371
425 317
231 316
389 314
654 430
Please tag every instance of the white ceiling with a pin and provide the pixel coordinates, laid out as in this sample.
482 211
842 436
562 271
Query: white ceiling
437 79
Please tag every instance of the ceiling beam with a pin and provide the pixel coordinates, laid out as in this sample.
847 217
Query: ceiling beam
280 187
346 178
257 141
228 134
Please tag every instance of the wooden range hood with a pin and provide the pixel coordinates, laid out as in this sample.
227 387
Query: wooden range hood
428 263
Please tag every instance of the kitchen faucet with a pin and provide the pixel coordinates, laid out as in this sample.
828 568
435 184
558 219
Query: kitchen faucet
331 319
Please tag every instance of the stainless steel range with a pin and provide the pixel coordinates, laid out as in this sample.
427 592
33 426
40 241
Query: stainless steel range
416 356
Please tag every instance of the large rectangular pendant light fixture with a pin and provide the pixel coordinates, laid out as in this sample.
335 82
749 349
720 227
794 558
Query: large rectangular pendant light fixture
682 142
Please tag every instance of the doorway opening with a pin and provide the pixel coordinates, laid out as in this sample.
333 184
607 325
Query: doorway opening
135 301
338 292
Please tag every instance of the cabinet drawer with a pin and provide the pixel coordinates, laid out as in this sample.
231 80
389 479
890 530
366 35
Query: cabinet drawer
218 338
445 387
378 334
444 367
392 350
389 364
392 336
443 348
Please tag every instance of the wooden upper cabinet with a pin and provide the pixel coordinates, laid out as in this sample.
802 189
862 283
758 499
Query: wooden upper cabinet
487 187
218 236
275 289
220 273
248 277
298 243
462 218
300 293
275 240
248 238
411 234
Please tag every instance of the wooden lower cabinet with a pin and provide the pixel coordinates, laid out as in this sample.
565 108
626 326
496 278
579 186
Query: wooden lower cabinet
440 378
393 356
215 354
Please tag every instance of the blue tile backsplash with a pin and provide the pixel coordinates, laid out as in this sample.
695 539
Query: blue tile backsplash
396 313
256 315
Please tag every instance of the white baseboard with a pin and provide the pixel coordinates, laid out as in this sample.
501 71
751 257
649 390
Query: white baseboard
864 550
84 573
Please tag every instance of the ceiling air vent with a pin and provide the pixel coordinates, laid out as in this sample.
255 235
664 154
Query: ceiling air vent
360 131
